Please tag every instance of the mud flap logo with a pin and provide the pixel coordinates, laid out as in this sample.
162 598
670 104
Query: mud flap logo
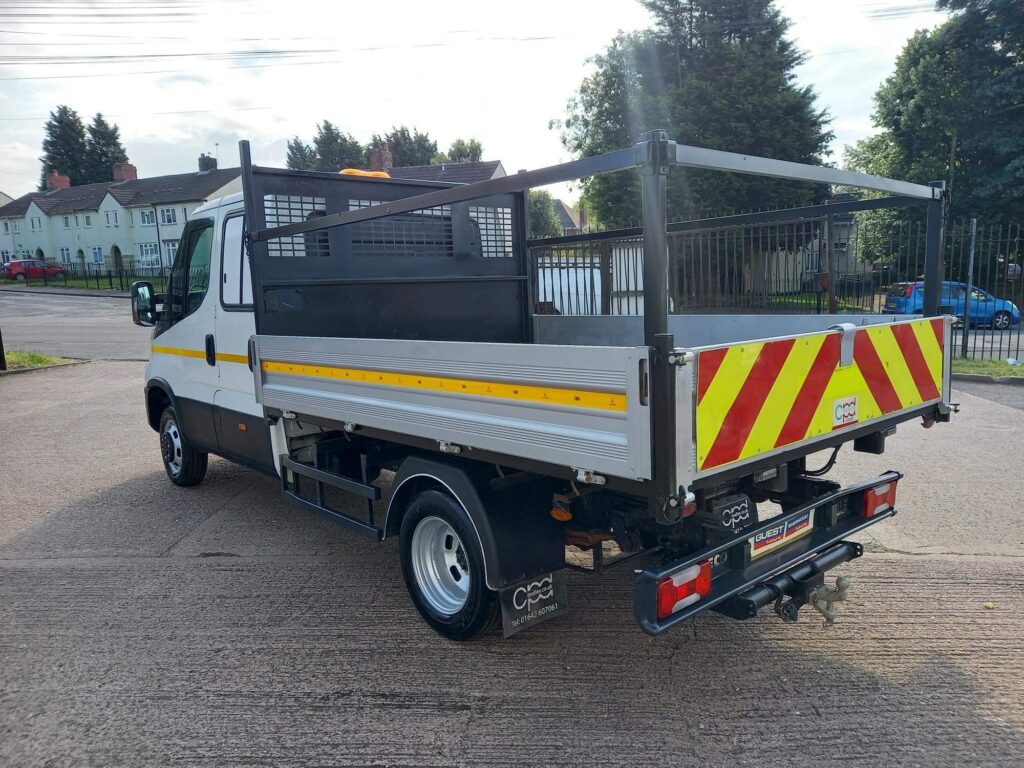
844 412
532 601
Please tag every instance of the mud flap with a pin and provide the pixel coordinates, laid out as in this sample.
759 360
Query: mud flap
532 601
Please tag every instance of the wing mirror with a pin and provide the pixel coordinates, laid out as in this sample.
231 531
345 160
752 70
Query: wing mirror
143 303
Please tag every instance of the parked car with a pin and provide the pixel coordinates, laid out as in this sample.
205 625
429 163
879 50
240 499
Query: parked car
31 269
986 309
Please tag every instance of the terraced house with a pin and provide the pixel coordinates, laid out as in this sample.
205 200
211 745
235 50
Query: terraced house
111 225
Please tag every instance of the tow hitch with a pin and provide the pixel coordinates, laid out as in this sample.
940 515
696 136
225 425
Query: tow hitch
821 598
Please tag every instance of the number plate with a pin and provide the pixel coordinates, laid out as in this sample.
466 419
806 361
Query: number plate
781 535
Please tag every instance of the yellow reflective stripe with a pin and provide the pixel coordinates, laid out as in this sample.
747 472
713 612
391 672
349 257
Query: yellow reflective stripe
606 401
228 357
895 363
178 351
224 357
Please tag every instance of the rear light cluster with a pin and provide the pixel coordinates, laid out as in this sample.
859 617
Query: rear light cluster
879 499
910 291
684 588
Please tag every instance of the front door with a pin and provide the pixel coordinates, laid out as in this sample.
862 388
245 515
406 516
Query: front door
183 347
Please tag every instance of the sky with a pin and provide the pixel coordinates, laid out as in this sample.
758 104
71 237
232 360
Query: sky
181 77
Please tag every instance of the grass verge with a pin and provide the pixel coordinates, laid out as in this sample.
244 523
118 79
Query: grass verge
19 361
987 367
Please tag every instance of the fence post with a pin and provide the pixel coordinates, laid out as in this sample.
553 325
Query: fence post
3 355
830 267
970 287
933 247
110 279
605 270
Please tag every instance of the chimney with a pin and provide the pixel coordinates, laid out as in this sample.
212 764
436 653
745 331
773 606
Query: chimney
207 163
583 216
57 180
125 172
380 159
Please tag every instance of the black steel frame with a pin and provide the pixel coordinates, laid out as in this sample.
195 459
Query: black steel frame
653 155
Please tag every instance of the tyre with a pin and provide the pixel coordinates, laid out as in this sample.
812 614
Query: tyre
1001 320
57 276
183 463
20 276
443 567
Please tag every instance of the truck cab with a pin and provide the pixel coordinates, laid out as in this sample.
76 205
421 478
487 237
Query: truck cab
200 394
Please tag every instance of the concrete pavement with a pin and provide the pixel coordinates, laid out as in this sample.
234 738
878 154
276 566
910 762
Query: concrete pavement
143 624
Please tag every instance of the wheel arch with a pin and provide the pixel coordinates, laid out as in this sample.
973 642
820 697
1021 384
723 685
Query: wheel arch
517 536
158 396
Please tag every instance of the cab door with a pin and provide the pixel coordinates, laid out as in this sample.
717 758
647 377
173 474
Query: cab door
242 432
182 351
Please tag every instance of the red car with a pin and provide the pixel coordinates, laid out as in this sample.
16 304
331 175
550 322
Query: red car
31 269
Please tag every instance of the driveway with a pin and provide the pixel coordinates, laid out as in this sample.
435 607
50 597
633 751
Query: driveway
144 624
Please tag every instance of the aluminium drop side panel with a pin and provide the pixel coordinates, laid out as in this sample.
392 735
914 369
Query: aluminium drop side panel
750 401
577 407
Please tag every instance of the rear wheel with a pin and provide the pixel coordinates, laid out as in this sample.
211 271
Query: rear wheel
1001 320
443 567
20 276
183 463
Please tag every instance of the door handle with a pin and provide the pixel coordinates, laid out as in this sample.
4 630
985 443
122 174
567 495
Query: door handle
211 350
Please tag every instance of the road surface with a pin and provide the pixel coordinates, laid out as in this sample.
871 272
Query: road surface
72 326
143 624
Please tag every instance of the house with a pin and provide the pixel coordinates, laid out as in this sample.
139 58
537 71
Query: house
110 225
569 219
452 173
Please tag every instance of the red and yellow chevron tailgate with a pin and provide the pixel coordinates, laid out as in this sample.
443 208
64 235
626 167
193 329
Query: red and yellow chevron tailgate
757 397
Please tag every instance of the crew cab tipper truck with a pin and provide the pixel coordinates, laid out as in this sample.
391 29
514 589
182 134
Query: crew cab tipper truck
325 328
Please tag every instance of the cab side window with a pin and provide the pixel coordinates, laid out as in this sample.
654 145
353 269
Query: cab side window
190 275
236 284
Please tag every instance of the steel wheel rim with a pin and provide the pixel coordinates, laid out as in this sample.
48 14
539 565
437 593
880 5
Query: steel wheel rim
170 446
440 565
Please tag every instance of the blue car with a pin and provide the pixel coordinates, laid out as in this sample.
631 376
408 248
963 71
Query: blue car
986 309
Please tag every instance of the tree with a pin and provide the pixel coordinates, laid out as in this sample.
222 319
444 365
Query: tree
102 150
951 111
461 151
301 156
336 149
714 73
64 146
408 146
543 219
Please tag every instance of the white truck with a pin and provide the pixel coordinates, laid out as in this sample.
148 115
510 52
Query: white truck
328 328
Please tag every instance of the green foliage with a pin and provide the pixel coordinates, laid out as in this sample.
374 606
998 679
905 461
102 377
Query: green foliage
954 110
103 149
543 220
64 146
461 151
301 156
84 156
714 73
335 149
407 146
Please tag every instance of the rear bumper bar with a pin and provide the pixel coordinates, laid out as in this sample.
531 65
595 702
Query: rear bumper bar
741 585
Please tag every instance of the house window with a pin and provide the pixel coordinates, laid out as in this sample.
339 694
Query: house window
149 255
97 254
7 228
76 220
170 250
147 217
5 256
32 224
106 215
16 227
115 219
88 220
67 222
65 255
168 216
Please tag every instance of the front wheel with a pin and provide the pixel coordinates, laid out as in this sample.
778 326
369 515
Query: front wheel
443 567
183 463
1001 321
20 276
